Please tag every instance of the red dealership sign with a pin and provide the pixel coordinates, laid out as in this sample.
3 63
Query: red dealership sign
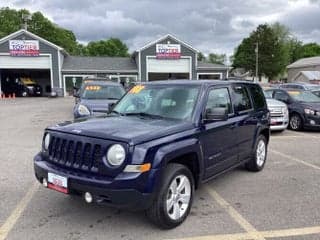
24 47
168 51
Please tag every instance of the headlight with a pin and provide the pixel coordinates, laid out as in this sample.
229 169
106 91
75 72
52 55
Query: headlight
83 110
116 155
46 142
309 111
285 111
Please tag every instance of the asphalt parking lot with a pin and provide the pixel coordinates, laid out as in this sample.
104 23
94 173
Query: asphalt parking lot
281 202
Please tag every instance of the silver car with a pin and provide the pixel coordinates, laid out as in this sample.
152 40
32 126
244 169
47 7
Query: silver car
279 115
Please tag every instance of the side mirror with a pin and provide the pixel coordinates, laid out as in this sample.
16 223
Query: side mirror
216 114
76 93
110 107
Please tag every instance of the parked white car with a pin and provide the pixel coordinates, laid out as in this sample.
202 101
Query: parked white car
279 115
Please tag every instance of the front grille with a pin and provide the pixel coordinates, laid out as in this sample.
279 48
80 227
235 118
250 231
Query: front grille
75 154
276 112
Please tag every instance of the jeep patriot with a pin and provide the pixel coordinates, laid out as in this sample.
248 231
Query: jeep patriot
155 147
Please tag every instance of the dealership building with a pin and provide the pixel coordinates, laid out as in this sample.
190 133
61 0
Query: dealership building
24 54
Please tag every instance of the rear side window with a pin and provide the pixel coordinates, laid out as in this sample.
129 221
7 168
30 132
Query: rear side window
241 98
257 97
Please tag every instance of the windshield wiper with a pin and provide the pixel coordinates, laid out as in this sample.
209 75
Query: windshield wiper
112 98
116 112
143 114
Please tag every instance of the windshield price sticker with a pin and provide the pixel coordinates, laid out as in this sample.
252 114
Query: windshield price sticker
93 88
136 89
294 92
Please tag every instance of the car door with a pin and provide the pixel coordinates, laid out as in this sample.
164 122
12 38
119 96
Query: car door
218 138
246 118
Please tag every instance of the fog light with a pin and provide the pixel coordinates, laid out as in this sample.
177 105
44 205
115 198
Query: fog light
88 197
312 122
44 182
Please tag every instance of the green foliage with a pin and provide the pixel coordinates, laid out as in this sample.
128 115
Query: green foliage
112 47
277 49
201 57
217 58
310 50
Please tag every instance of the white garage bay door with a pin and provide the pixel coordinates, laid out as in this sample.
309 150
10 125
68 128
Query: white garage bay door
39 62
182 65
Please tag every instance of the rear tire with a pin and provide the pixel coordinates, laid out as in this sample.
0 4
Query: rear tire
295 122
174 199
259 157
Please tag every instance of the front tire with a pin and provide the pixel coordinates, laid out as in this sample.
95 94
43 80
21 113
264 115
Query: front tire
259 157
295 122
173 202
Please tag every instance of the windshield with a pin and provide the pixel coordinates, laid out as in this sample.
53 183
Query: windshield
267 94
102 92
304 96
175 102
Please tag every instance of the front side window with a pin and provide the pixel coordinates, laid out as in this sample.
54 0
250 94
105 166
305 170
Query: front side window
166 101
219 98
281 96
241 99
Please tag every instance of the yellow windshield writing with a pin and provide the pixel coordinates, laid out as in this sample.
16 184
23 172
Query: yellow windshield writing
93 88
136 89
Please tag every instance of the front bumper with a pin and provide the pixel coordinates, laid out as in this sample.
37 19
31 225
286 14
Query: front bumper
114 192
312 121
279 123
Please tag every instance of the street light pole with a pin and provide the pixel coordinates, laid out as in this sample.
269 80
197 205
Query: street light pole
257 62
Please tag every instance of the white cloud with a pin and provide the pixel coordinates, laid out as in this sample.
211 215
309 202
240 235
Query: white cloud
208 25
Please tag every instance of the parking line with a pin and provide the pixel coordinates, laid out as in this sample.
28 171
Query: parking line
291 232
295 159
253 233
15 215
267 234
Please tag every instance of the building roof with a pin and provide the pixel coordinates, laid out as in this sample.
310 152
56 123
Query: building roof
99 64
23 31
305 62
206 65
168 36
310 75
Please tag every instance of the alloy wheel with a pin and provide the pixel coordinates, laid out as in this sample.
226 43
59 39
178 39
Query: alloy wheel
178 197
261 153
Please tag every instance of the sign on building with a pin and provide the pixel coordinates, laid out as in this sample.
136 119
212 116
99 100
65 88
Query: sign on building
168 51
24 47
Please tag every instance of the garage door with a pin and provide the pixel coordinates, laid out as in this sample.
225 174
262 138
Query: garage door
40 62
167 66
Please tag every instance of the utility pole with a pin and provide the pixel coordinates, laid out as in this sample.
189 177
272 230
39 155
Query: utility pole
257 62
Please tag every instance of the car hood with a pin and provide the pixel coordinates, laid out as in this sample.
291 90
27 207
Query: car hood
130 129
274 103
313 106
98 104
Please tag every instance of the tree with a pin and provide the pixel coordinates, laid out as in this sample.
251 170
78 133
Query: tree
295 50
112 47
217 58
310 50
272 54
201 57
11 21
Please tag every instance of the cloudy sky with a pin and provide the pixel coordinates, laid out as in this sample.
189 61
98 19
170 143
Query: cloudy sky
208 25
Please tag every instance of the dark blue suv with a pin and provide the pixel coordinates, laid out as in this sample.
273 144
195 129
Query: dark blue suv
160 141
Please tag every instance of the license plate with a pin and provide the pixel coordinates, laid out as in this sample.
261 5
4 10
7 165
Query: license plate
58 183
